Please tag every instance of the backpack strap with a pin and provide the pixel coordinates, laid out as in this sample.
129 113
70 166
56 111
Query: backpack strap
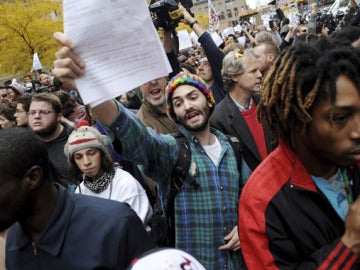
179 175
180 172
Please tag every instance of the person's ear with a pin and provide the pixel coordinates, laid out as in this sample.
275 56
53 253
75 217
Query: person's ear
270 57
59 117
33 177
234 78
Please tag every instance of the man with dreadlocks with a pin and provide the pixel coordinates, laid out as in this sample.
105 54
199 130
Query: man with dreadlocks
299 207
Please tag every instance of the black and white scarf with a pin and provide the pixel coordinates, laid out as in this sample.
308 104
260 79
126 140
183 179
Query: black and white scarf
100 184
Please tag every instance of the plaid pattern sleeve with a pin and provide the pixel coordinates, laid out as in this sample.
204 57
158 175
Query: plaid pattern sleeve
205 215
157 153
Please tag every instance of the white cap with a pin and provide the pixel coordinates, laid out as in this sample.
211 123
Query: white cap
167 259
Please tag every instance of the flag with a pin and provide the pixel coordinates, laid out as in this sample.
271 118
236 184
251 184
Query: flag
213 17
36 62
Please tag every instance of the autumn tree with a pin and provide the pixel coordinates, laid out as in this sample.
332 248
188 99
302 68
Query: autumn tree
203 20
26 27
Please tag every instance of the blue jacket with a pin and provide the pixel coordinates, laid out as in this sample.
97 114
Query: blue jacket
215 57
84 233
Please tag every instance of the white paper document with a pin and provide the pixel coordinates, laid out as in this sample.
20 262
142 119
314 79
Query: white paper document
238 28
184 40
228 31
216 38
242 41
194 38
118 43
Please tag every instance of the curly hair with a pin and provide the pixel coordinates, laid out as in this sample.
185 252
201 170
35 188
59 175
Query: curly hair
8 111
299 78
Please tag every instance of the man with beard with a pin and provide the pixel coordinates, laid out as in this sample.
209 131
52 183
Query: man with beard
205 214
49 228
266 53
45 120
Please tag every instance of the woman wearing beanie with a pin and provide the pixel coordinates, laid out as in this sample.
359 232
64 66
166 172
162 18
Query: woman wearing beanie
92 165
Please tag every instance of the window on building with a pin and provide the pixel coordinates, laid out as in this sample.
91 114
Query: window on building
229 13
221 16
236 12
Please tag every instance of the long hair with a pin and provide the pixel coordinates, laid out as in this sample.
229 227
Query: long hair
107 164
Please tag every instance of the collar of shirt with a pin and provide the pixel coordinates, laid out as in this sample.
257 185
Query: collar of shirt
244 108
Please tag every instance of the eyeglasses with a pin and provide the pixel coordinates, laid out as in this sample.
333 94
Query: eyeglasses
40 112
19 111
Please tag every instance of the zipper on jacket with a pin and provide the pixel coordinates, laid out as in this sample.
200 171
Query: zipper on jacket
35 252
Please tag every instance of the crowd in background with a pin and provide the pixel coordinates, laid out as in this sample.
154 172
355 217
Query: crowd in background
236 80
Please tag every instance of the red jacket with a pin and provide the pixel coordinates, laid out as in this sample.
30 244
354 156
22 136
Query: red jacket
286 222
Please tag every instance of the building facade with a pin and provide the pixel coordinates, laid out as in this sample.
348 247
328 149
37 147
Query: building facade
228 10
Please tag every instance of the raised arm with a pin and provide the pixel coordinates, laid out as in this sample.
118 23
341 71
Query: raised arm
68 67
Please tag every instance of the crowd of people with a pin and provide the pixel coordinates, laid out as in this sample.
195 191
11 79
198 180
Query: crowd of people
244 157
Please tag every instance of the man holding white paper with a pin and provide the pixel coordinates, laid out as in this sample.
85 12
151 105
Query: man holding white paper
120 55
204 218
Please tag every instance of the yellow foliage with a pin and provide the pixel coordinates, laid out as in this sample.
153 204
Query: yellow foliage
27 27
203 20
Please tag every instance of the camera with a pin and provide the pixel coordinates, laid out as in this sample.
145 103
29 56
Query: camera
32 89
165 14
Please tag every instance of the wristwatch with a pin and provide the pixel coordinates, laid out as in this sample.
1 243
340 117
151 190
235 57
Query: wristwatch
192 23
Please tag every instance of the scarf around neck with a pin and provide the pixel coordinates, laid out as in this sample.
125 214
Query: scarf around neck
100 184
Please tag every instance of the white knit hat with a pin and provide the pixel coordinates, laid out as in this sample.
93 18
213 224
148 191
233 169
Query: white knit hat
17 87
166 259
84 137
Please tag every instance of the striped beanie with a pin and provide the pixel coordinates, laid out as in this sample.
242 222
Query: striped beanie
189 79
85 136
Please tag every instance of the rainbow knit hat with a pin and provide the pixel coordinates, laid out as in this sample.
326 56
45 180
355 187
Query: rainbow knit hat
189 79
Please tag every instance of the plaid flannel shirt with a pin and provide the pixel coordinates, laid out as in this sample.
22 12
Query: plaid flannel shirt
202 216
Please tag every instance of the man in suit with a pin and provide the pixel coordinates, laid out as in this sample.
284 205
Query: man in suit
236 113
